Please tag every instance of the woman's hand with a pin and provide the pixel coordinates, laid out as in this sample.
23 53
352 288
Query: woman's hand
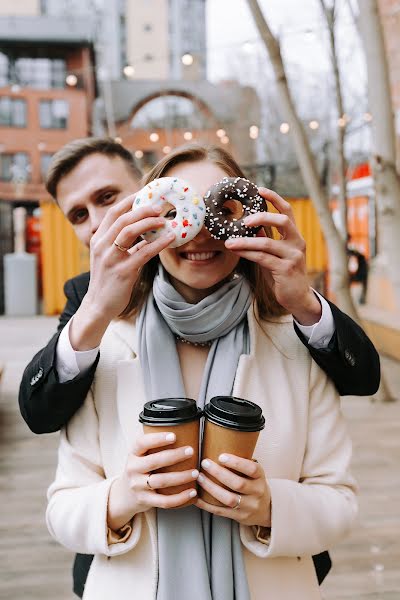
283 261
135 490
247 500
113 272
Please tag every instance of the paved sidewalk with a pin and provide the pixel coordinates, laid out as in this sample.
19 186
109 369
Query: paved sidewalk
33 567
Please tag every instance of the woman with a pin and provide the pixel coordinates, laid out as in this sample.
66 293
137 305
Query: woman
297 500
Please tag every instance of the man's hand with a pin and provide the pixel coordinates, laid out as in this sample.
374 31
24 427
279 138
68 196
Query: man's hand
113 272
283 261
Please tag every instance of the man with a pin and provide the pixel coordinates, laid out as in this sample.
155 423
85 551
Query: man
91 180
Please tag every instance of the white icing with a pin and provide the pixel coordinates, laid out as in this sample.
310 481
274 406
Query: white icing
190 208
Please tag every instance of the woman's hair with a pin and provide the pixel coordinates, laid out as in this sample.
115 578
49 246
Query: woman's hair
266 302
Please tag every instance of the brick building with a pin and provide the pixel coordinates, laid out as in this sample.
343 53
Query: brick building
46 94
47 88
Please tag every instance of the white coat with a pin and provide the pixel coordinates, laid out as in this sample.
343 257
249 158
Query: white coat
304 450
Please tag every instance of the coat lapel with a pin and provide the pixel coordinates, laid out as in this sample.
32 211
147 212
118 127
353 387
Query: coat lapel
131 394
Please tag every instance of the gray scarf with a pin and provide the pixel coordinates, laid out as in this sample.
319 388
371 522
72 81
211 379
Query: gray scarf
200 555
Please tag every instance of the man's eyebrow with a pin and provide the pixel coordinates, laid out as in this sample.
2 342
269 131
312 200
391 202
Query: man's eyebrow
111 187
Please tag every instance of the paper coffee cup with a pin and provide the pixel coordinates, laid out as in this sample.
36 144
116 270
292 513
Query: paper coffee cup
182 417
232 426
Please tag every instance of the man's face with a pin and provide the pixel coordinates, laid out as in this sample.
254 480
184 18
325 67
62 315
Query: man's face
88 191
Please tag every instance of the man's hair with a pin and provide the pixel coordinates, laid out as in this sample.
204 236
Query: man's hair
70 155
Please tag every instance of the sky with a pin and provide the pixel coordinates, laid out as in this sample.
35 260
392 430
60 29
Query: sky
298 23
303 36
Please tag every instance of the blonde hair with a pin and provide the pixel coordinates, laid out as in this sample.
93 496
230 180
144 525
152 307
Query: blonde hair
267 305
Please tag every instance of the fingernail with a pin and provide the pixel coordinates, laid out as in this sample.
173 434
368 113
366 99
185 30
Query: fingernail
158 208
192 493
223 458
206 464
189 451
200 478
170 437
195 474
229 242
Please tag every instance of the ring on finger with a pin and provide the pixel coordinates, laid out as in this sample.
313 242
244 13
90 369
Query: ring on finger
121 248
148 482
237 505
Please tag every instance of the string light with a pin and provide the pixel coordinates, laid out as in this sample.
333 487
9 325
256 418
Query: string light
225 139
221 133
313 124
118 140
342 122
166 149
41 146
253 132
188 135
248 47
139 154
187 59
129 71
154 137
71 80
284 128
367 117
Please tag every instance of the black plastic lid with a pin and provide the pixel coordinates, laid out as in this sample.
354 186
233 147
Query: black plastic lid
169 411
234 413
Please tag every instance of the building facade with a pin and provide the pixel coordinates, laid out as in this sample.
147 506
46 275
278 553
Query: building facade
47 89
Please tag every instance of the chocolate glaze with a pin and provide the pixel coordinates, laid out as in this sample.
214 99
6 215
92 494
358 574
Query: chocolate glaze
218 222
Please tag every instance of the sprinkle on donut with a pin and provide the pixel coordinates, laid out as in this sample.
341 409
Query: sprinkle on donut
176 196
224 215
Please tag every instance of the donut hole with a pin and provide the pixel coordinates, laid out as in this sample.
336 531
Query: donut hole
169 211
232 209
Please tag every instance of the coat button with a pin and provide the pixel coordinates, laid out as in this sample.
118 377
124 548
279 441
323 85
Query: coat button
350 358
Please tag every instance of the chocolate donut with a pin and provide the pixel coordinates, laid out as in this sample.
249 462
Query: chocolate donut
228 203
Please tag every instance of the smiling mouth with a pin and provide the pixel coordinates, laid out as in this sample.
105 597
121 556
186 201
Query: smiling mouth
199 256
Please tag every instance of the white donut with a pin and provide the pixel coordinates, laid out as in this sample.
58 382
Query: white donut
190 208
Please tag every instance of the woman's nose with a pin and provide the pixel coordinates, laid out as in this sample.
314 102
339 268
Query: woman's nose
203 233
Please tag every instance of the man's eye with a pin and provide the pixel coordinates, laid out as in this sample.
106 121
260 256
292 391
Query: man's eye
79 216
107 198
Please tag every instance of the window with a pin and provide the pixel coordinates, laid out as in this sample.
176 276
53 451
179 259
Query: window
12 112
40 73
53 114
15 167
45 160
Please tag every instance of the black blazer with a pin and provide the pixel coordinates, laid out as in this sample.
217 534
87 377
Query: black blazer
351 362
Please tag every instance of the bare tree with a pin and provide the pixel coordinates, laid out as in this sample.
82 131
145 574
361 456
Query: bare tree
330 13
336 246
383 140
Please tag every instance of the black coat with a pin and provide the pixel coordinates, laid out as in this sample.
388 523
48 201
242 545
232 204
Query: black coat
351 362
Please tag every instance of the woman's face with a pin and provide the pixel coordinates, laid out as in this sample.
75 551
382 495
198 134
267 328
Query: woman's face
197 268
